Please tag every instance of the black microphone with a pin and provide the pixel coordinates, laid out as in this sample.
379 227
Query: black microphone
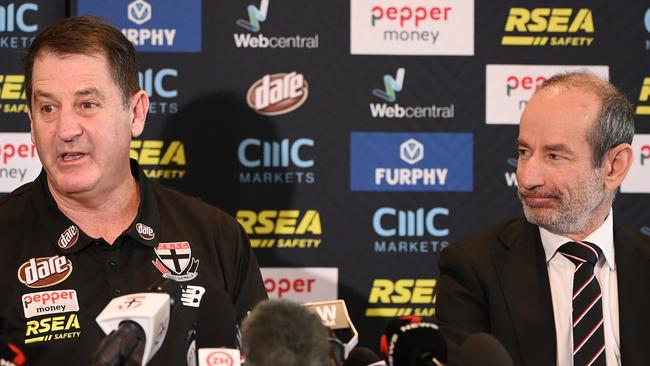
136 325
482 349
10 354
362 356
411 341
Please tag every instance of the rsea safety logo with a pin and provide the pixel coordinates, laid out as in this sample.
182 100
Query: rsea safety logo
160 159
152 26
53 328
19 161
12 94
302 284
404 296
392 161
17 24
391 86
256 35
276 94
282 228
49 302
643 108
412 27
160 85
638 178
508 88
421 230
558 27
276 162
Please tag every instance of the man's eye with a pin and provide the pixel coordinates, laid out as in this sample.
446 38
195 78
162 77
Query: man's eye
47 109
88 105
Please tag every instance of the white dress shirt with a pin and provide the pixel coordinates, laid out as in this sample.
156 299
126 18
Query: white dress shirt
560 275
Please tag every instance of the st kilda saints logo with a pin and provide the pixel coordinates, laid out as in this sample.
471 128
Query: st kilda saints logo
175 261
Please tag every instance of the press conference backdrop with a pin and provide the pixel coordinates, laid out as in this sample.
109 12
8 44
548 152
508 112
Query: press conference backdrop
353 140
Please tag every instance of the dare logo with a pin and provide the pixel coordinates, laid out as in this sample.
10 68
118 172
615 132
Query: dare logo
276 94
282 228
406 296
160 159
44 271
12 94
549 27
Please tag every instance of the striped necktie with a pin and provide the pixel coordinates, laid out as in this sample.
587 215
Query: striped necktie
588 328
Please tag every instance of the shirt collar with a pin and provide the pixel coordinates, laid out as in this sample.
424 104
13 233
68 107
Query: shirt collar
603 237
66 236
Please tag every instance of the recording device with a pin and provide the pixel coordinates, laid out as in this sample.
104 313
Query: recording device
482 349
412 341
10 354
136 325
362 356
334 315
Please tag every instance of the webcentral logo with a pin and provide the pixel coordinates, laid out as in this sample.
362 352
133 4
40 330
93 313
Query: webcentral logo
13 19
404 231
393 85
537 23
255 17
272 160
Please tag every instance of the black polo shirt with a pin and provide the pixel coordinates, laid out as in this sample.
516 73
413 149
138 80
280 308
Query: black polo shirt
56 279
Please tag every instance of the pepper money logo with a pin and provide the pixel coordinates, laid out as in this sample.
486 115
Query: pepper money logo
256 16
276 94
15 21
160 159
282 228
19 161
541 26
44 271
638 176
404 296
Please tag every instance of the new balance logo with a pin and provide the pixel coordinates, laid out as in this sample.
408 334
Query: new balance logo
255 16
391 85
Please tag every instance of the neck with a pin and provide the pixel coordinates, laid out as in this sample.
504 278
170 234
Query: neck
593 222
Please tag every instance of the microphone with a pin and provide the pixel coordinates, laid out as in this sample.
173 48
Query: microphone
410 341
362 356
334 315
484 350
136 325
11 355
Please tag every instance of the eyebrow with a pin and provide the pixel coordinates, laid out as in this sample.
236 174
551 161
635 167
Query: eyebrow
81 93
551 147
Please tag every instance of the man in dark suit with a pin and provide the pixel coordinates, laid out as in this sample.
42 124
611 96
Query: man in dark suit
567 285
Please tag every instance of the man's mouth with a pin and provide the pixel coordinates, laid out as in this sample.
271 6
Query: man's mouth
72 156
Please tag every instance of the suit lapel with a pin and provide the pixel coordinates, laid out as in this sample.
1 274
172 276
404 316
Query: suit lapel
521 267
632 273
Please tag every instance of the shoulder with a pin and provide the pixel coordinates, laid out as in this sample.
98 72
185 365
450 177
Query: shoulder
16 202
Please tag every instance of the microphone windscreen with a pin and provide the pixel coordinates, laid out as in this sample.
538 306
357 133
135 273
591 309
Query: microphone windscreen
416 343
361 356
482 349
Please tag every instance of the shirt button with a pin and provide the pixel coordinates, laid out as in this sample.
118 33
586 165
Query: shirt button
113 265
117 292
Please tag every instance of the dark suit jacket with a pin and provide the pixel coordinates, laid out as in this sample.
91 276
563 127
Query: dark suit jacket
497 282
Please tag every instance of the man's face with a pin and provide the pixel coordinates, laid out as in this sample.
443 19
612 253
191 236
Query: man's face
80 126
558 185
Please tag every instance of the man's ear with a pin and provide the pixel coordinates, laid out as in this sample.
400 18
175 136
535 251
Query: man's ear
138 108
617 163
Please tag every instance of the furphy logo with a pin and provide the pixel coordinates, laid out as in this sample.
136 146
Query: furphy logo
405 296
392 85
508 88
638 177
303 284
159 85
412 27
12 94
422 230
52 328
389 161
17 25
282 228
256 16
511 173
152 26
541 26
160 159
643 109
19 162
277 94
69 237
49 302
44 271
276 162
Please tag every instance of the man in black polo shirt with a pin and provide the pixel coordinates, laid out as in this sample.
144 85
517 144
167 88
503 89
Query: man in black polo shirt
92 226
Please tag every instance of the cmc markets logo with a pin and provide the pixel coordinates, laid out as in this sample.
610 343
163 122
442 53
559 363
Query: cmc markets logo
638 177
646 24
387 161
16 25
19 162
392 85
256 16
410 231
276 162
412 27
160 159
303 284
159 85
282 228
508 88
152 26
12 94
276 94
404 296
549 27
